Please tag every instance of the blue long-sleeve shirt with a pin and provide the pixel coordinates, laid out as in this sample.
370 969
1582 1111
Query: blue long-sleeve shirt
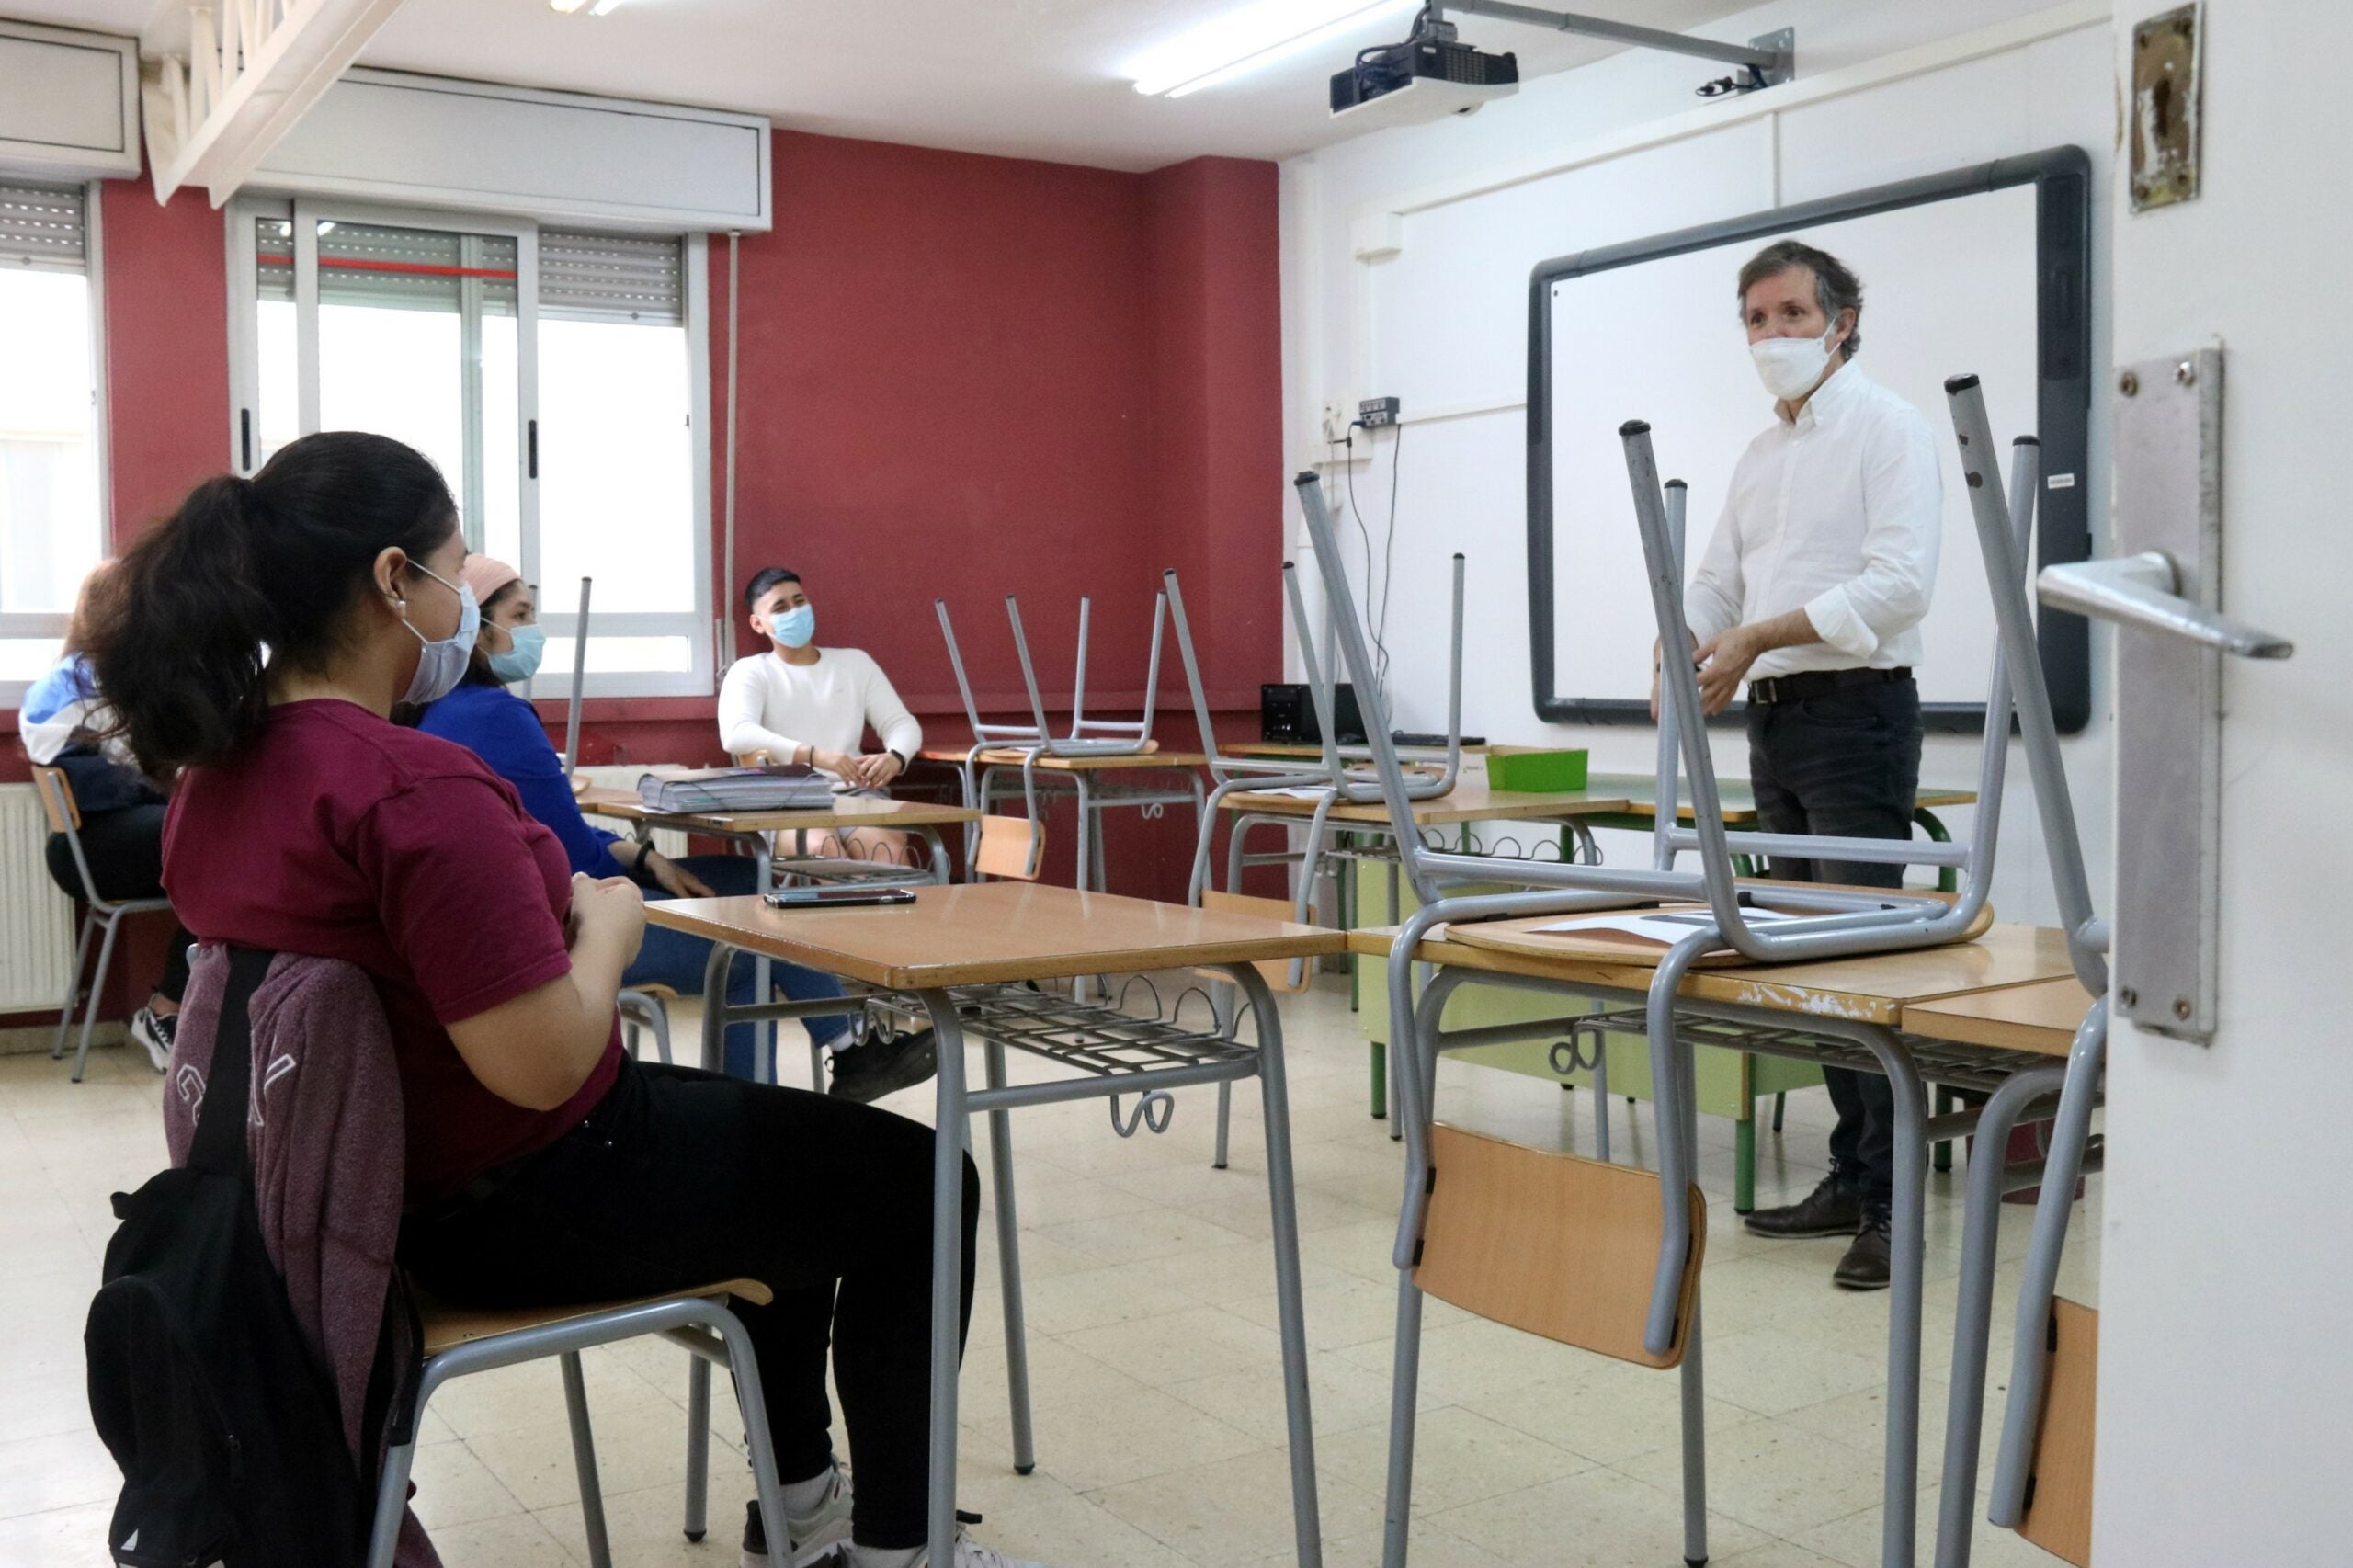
503 730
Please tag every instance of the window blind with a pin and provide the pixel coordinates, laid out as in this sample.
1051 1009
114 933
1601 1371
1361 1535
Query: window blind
41 227
390 268
617 277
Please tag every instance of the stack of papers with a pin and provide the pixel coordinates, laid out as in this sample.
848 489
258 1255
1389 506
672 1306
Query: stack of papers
783 788
1666 926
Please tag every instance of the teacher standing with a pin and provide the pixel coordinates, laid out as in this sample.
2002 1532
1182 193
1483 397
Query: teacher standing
1811 591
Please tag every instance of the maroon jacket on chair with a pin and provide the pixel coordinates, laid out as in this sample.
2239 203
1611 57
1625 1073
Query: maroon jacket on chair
324 1132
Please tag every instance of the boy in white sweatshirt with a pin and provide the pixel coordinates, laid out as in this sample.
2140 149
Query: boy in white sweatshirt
800 703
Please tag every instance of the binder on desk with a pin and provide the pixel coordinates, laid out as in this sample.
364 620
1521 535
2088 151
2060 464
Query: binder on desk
775 788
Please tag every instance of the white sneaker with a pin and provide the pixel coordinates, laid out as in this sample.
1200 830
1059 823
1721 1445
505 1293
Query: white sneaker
969 1553
810 1536
155 1032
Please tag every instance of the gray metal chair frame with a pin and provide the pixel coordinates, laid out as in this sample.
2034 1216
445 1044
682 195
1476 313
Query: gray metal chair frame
1834 924
705 1327
640 1008
57 798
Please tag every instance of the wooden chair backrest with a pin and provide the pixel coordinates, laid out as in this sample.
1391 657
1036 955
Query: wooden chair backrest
57 802
1013 847
1281 974
2058 1516
1551 1243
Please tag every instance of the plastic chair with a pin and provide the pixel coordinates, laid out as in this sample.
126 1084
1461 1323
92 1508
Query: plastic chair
65 816
458 1343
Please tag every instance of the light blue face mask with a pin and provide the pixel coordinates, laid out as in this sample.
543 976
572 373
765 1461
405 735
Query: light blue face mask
520 662
795 626
442 663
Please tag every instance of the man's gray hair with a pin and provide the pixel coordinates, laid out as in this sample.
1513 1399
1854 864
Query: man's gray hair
1835 286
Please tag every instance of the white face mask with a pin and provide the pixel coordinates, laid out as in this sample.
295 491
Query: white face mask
441 665
1790 366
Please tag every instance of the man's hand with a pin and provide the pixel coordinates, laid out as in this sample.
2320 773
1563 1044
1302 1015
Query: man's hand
840 764
1722 661
874 771
673 878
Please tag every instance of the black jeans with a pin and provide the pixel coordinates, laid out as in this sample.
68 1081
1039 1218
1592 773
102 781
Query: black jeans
125 850
680 1177
1846 765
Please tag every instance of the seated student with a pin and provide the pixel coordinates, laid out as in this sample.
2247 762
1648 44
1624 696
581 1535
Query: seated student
60 721
499 727
800 703
258 640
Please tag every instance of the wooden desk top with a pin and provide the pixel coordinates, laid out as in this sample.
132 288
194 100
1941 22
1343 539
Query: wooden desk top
1739 800
2041 1017
1875 988
1471 800
1293 748
979 933
1000 758
847 811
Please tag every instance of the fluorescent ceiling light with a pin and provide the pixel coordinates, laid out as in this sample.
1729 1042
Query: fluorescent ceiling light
592 7
1245 40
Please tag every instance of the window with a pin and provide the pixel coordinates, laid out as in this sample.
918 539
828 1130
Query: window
555 378
52 513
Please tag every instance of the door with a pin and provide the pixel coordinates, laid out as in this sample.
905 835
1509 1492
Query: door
2224 1369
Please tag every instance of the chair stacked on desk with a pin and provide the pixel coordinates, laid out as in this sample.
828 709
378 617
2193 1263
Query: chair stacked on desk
1529 1276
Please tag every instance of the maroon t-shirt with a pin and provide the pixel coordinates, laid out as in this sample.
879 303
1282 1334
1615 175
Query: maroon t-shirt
339 834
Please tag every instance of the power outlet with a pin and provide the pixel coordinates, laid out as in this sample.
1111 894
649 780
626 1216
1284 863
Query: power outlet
1336 419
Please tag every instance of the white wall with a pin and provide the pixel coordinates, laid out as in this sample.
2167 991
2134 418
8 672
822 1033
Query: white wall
2225 1375
1442 321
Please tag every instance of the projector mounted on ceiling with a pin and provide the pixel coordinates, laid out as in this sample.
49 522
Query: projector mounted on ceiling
1433 75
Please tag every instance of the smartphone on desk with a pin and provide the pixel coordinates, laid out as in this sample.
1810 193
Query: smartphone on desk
837 897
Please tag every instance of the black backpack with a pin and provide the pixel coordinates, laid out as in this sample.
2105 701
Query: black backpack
225 1425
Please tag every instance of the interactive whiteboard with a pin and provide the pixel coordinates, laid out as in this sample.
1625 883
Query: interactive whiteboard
1980 271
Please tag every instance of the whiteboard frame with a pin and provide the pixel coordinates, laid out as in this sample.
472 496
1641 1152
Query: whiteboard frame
2062 177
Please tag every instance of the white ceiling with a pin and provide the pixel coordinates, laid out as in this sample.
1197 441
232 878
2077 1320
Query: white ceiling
1023 78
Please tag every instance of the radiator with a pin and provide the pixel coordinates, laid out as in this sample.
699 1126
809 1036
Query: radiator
36 920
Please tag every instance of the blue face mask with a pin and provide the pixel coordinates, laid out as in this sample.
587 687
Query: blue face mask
520 662
441 664
795 626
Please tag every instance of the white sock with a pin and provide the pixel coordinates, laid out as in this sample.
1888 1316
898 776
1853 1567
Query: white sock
802 1498
884 1556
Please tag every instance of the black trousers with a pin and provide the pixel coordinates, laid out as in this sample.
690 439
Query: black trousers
680 1177
1845 764
125 850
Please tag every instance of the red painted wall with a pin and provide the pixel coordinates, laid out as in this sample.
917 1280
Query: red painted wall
963 376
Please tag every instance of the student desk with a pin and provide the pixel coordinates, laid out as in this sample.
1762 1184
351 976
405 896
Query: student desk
2061 1022
1092 779
962 957
754 831
1844 1012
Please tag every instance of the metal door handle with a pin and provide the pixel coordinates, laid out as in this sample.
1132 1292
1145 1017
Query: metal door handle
2142 590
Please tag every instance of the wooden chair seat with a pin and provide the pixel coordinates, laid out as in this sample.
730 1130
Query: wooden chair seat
1013 847
446 1327
2058 1515
659 992
1551 1243
1280 974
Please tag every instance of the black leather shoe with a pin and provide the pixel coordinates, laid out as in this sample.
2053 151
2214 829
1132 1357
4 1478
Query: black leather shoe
875 1066
1828 1210
1865 1266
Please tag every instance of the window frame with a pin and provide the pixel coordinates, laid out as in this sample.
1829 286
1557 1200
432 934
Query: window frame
558 603
26 625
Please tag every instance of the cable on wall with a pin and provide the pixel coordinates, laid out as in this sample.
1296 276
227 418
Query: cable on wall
726 615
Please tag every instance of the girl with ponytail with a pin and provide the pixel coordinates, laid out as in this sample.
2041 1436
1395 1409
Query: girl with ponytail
256 644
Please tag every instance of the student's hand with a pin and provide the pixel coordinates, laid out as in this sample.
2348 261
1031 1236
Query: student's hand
875 771
673 878
1722 661
840 764
606 910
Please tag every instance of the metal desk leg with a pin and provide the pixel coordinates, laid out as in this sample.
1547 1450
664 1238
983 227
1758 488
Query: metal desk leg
947 1270
2027 1367
1416 1059
1222 999
1964 1412
1008 1264
1283 1199
1744 1157
1906 1240
763 983
714 1006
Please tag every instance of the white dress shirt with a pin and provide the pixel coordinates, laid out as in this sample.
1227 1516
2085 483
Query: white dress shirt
1839 513
768 705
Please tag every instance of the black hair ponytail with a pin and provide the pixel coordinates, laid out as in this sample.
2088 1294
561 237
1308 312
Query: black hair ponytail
248 570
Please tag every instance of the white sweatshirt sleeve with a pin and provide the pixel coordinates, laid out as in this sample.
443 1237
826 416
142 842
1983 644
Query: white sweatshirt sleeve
743 704
899 729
